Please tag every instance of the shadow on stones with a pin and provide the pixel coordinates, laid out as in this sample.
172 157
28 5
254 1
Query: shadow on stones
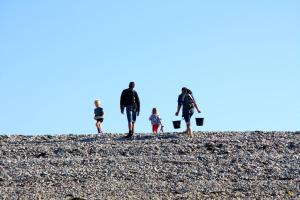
88 139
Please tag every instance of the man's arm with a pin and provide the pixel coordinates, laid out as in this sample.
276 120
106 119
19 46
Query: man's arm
122 102
137 102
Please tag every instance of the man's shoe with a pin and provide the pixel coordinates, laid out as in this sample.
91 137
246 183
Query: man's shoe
129 135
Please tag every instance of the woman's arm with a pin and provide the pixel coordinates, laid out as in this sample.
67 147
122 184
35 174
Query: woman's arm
180 102
195 103
178 110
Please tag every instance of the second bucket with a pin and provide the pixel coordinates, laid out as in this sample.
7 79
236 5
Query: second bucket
199 121
176 124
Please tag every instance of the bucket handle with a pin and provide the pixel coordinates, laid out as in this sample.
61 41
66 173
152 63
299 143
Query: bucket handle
177 118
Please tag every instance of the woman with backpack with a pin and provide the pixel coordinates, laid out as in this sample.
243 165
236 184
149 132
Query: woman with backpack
188 104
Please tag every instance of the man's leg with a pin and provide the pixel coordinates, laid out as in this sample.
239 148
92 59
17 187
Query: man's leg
133 121
132 127
129 118
129 135
129 127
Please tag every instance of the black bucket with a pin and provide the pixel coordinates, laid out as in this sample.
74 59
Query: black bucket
176 124
199 121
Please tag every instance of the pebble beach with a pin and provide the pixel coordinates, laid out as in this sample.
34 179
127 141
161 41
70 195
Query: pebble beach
212 165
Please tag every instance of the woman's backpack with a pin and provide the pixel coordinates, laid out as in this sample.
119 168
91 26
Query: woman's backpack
188 102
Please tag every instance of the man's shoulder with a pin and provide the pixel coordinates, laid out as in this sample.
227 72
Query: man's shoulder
129 92
125 91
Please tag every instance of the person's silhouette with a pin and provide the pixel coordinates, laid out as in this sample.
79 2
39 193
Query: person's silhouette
130 100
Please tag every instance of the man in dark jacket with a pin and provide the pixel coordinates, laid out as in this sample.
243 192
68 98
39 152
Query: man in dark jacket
130 100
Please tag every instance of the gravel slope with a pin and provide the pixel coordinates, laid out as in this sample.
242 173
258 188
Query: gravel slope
213 165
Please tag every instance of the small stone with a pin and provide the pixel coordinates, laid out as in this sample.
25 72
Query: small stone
41 155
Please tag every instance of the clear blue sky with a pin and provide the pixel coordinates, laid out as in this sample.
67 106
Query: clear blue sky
240 58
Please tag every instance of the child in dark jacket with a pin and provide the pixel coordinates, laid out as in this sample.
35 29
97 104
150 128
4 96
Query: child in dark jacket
99 116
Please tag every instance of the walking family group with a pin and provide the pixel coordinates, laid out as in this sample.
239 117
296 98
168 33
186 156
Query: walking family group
130 104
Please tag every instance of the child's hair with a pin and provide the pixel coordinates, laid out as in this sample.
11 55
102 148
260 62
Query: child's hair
155 111
97 102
